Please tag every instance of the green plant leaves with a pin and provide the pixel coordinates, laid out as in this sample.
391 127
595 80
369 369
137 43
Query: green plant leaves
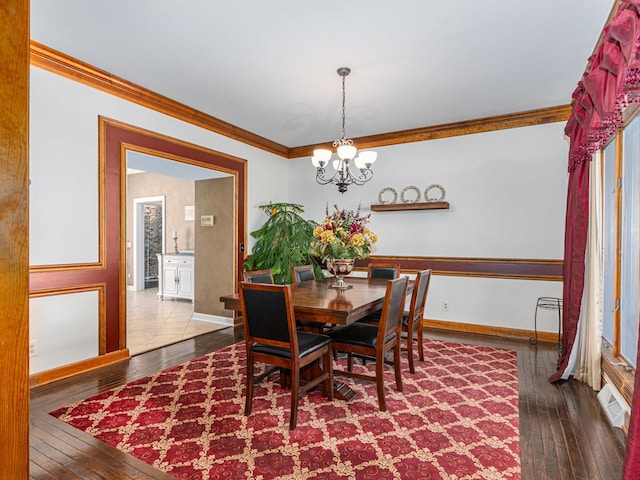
282 242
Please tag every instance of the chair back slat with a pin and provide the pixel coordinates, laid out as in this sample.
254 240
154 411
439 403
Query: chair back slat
386 271
393 307
419 295
267 311
302 273
258 276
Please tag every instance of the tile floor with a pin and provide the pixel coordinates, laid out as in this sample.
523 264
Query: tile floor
152 323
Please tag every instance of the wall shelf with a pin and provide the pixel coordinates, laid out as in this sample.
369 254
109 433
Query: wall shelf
391 207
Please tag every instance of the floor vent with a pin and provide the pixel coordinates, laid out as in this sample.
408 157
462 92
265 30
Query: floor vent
613 405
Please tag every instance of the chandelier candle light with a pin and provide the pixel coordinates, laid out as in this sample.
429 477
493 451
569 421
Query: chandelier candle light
344 176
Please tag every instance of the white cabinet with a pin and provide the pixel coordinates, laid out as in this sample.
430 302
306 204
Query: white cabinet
175 279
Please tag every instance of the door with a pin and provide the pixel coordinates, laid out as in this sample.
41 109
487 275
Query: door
148 240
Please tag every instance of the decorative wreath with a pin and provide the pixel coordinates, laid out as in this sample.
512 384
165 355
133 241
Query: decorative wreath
410 188
434 199
381 199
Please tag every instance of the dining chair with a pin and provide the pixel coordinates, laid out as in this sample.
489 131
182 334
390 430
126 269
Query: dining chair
387 271
375 340
271 338
384 271
302 273
412 319
258 276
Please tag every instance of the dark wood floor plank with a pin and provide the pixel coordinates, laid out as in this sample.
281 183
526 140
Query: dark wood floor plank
530 428
99 452
36 472
61 455
603 456
50 467
563 433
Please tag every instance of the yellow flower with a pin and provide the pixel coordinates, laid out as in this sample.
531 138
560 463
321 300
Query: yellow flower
326 236
357 240
373 237
317 232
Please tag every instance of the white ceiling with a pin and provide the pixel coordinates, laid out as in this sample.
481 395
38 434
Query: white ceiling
269 67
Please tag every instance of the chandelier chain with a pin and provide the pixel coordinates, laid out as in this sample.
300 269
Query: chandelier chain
344 95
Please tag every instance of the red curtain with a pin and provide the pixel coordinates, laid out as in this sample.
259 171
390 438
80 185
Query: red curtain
632 454
575 243
610 83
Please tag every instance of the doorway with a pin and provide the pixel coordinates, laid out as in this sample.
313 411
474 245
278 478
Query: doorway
148 240
163 197
116 141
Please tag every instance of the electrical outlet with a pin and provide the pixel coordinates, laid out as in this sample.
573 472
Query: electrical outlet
445 306
33 348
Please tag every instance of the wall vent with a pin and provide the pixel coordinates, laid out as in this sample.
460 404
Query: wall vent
613 405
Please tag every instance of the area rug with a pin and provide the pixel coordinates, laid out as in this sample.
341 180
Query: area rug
457 418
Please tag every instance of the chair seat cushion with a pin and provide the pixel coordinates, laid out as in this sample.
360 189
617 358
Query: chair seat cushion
307 343
372 317
357 333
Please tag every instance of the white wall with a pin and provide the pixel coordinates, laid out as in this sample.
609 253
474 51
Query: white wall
63 193
65 329
507 191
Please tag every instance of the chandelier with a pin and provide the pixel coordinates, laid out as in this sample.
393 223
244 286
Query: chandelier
345 174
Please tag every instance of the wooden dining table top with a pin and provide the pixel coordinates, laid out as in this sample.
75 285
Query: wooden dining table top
315 301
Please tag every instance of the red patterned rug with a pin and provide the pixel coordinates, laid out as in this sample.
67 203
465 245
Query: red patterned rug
456 419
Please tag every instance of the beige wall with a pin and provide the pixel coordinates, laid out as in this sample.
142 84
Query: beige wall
214 245
178 194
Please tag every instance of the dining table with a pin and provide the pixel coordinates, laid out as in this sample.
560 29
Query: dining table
317 303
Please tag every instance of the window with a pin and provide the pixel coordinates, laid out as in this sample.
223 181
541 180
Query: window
621 242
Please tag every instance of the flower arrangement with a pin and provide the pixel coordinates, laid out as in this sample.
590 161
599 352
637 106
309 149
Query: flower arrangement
343 234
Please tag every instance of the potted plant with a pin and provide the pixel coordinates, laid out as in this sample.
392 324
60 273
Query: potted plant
283 241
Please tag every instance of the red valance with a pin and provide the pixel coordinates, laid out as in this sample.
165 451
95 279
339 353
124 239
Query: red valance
610 83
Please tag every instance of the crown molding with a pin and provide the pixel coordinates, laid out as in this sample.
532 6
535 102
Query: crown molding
57 62
466 127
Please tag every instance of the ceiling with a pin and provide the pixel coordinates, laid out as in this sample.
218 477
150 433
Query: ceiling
269 67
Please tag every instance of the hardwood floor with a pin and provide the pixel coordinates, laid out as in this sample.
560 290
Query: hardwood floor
563 433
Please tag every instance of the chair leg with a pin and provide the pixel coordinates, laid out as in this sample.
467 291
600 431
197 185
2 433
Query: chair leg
349 362
328 368
380 381
249 389
420 341
295 391
410 349
396 365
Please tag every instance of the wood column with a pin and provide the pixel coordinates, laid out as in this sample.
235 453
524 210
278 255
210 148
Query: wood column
14 239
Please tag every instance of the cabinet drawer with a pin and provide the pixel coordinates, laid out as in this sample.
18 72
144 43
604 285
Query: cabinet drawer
178 261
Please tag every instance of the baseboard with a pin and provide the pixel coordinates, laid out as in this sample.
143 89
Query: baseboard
48 376
218 319
489 330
